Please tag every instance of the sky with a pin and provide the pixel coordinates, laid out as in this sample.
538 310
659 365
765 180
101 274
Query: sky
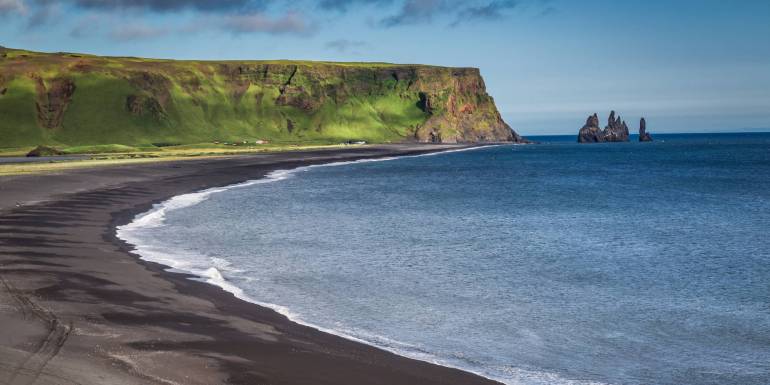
687 66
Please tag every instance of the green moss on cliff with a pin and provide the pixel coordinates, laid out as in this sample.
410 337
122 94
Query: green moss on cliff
70 99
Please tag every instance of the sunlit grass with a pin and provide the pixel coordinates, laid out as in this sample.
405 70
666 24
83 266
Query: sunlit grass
54 166
172 153
184 102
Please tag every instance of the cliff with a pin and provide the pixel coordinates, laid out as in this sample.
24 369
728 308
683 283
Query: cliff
615 131
76 99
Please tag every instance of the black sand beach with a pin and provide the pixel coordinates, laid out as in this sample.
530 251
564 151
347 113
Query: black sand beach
76 307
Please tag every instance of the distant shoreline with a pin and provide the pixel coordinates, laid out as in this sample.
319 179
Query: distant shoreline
664 134
118 319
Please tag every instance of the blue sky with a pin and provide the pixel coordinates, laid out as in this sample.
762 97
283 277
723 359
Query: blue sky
687 66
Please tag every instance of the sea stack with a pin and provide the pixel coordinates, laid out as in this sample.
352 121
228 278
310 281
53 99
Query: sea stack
644 136
590 133
615 131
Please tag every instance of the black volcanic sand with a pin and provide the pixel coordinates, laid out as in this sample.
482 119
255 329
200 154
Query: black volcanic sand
76 307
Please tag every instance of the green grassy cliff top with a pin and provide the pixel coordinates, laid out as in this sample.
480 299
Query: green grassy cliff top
13 53
66 99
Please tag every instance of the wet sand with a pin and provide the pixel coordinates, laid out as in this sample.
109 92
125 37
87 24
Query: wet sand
76 307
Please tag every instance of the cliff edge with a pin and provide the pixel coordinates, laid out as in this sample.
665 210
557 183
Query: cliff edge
76 99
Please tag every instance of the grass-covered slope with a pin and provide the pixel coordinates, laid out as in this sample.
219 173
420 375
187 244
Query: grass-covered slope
65 99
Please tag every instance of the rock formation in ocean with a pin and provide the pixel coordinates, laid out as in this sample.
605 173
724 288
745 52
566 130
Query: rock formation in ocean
615 131
590 133
644 136
72 99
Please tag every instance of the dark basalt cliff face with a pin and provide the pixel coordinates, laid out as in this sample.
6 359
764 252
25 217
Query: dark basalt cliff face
76 99
615 131
644 136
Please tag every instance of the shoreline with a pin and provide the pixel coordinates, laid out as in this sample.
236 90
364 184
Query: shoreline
116 318
122 235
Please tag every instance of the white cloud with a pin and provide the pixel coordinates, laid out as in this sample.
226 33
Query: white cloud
9 6
288 24
137 32
344 45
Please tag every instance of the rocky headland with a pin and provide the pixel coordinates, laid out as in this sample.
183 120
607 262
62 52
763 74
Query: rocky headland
76 99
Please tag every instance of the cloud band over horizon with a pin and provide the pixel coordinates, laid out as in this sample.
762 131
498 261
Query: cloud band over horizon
127 18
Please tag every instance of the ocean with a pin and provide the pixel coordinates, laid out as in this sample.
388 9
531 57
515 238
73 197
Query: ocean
556 263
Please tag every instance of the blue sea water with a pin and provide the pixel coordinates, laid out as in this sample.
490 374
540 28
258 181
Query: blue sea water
557 263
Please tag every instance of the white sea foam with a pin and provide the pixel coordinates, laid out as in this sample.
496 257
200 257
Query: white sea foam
157 215
210 270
